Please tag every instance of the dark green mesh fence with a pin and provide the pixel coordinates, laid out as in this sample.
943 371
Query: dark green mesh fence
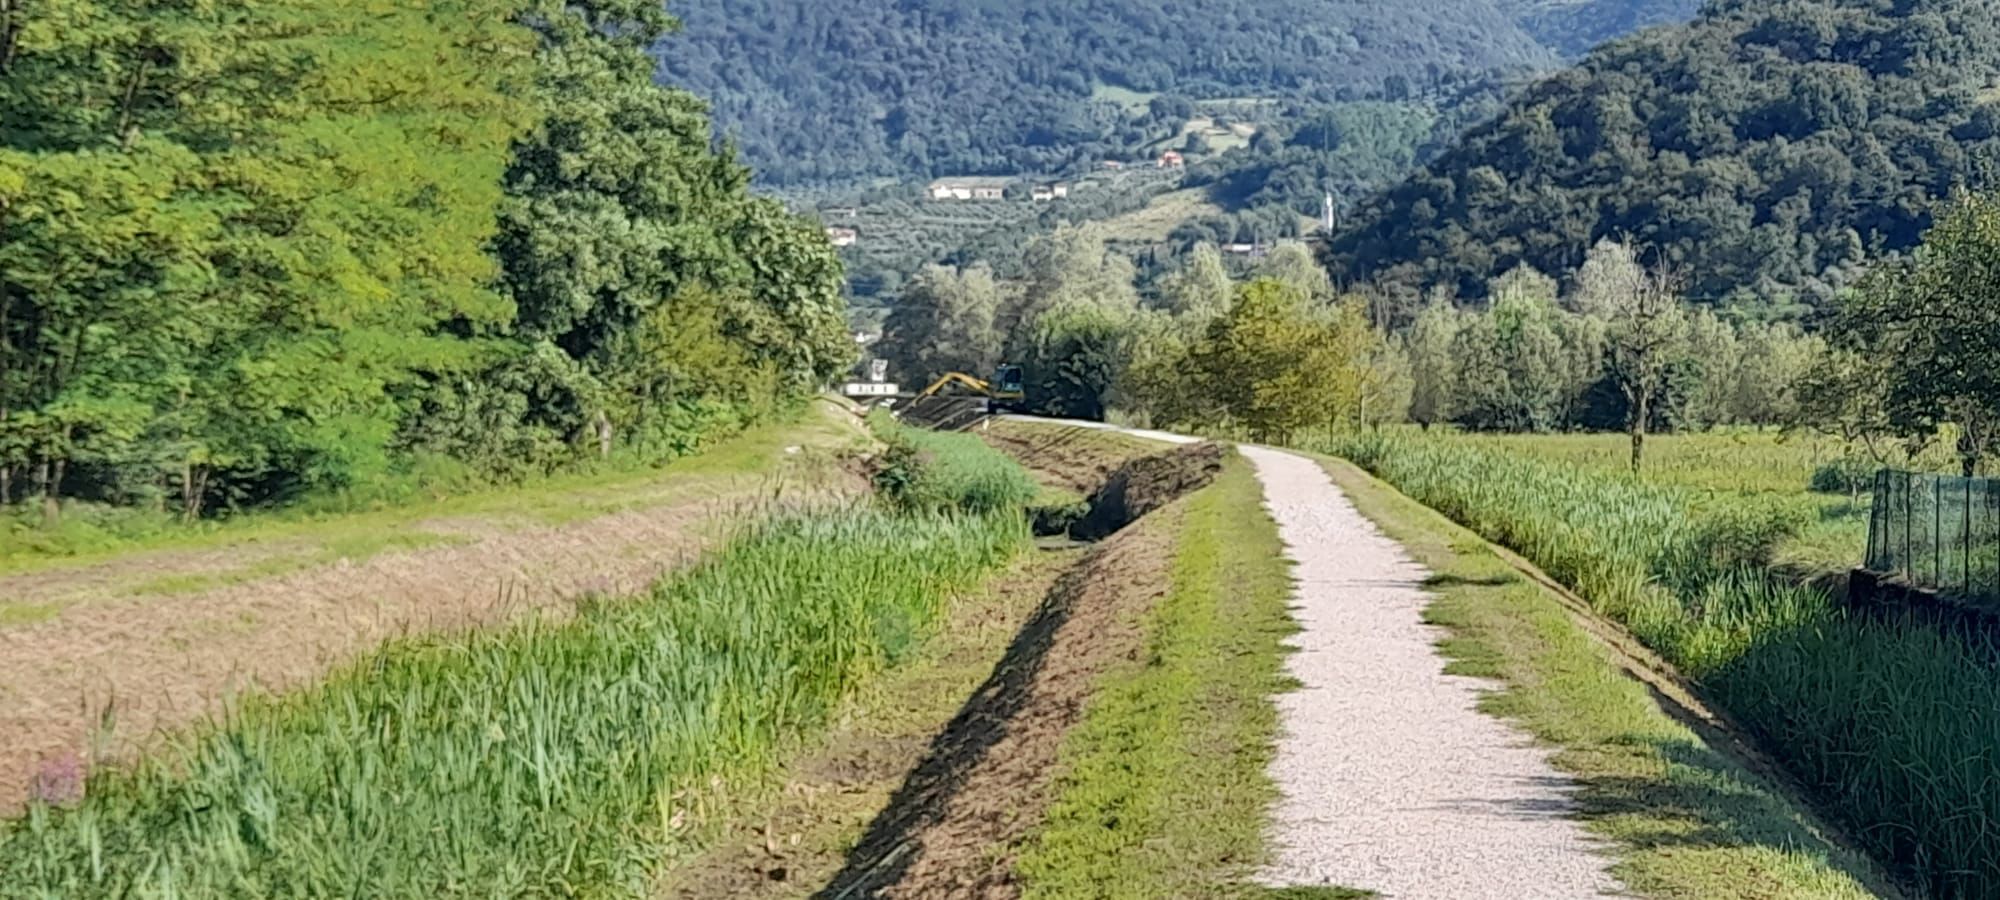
1938 532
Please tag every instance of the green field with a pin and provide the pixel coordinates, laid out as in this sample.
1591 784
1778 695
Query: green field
1158 219
1718 468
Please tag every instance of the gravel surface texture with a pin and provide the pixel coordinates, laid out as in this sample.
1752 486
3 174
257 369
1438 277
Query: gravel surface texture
1392 779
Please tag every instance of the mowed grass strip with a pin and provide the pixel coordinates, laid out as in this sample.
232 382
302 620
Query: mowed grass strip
1686 820
1165 791
546 759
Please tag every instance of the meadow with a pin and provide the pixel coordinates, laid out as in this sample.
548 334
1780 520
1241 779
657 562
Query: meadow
557 757
1891 723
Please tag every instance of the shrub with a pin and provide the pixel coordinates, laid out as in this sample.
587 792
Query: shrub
1848 475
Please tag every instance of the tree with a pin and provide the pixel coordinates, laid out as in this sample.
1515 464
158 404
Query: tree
1292 264
1931 324
1200 289
1281 364
1433 365
946 321
1646 328
618 207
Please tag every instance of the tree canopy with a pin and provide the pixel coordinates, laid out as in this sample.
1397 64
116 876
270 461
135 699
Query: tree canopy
252 251
1769 147
833 90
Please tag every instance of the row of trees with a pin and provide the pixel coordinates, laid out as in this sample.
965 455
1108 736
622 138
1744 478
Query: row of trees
1620 350
1275 354
249 251
1282 351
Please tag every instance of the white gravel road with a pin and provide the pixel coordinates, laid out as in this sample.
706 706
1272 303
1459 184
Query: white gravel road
1392 780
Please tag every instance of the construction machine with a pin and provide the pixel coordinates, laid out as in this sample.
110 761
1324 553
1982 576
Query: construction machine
958 401
1004 392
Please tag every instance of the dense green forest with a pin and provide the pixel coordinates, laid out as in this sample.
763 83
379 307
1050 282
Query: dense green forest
1767 150
1575 27
254 252
841 89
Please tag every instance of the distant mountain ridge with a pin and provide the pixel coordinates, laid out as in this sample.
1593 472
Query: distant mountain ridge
832 90
1575 27
1766 148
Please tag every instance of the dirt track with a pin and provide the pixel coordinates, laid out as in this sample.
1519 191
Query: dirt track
145 663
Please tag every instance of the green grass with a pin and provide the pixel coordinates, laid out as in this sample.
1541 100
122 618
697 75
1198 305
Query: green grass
546 759
928 470
1131 101
1686 821
1893 725
1164 791
1732 466
93 535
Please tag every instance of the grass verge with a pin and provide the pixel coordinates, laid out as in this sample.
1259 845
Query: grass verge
1890 725
325 525
1164 791
1687 820
545 759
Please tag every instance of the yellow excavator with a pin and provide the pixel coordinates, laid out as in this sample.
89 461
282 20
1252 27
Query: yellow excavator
1004 392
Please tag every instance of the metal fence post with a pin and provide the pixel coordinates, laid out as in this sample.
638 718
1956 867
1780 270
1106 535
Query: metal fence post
1965 535
1937 531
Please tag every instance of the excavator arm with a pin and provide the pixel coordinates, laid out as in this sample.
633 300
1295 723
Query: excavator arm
958 378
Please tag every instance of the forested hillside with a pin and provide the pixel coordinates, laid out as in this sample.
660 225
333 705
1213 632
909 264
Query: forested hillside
1769 147
1575 27
837 89
249 253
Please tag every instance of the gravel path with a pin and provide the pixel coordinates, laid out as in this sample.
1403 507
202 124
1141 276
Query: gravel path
1392 780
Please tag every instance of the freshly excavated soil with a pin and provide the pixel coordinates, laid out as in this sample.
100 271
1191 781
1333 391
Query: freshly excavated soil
1059 454
1147 484
955 825
1392 780
149 663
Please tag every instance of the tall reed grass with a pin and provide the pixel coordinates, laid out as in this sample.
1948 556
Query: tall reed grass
1896 724
929 470
548 759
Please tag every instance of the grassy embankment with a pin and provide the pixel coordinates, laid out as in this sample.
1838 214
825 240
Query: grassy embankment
1164 791
1685 820
359 525
1892 725
570 758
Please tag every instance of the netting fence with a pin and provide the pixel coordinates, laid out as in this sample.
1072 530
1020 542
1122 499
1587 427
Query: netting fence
1938 532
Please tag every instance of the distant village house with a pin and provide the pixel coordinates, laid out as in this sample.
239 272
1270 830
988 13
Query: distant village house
1050 192
843 237
1172 159
962 189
